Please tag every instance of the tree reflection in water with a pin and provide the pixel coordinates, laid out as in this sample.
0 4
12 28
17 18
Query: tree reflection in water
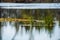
49 21
0 32
30 29
17 29
0 27
47 16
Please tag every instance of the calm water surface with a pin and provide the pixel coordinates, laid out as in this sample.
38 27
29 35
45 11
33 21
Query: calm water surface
48 30
10 32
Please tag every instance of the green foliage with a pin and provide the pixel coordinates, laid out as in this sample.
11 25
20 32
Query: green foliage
49 17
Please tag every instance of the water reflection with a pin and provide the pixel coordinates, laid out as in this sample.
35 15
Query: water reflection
42 25
0 32
20 32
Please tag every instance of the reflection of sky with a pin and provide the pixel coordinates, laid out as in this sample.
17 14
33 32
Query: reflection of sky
56 32
30 5
8 32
